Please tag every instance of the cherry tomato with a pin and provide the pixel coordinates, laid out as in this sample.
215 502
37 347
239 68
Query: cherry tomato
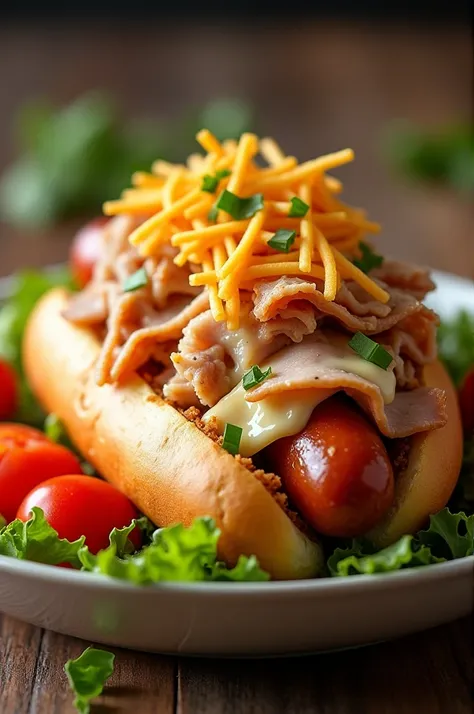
466 403
82 505
8 391
336 471
85 250
27 458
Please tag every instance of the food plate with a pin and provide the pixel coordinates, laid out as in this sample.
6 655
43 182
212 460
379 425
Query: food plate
246 619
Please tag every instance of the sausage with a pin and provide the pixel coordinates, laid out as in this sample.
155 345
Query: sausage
336 471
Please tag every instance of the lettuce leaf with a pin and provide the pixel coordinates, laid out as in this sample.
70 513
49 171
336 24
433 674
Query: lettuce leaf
176 553
403 554
36 540
449 536
463 496
87 675
29 286
456 345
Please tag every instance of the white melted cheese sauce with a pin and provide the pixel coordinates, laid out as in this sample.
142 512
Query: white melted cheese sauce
286 413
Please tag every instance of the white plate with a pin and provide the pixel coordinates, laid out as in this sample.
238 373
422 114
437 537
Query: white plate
246 619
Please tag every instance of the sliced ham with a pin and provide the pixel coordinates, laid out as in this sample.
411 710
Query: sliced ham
368 315
181 392
213 359
412 343
307 366
88 307
413 279
168 279
162 327
117 257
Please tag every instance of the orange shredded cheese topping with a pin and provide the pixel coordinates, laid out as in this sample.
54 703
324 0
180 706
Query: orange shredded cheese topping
229 254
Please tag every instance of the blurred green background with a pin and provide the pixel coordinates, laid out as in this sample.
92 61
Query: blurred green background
85 105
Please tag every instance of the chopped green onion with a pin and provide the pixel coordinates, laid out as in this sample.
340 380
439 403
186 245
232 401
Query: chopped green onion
282 240
240 208
135 281
53 428
210 183
255 376
369 259
299 208
222 173
213 213
232 437
370 350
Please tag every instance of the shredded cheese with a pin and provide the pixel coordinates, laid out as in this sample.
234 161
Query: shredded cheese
228 255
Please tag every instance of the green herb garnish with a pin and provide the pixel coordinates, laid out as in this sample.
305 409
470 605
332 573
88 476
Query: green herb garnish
282 240
210 183
53 428
370 350
87 675
135 281
232 437
298 208
368 260
213 213
240 208
255 376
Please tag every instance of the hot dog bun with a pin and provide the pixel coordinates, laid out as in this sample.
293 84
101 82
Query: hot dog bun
433 468
173 472
150 451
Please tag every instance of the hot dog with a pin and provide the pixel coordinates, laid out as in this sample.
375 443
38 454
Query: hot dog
254 364
336 471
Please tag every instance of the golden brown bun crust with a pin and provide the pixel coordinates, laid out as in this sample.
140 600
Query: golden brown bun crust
159 459
433 469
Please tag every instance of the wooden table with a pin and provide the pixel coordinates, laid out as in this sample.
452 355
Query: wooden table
317 88
429 673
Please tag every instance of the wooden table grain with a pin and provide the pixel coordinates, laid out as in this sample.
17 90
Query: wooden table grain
427 673
317 88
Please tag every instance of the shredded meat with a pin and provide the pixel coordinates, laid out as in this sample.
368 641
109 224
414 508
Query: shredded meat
410 278
349 309
412 344
310 365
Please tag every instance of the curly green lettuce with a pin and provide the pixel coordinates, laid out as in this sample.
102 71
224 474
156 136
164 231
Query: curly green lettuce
37 541
28 287
87 675
456 345
175 553
448 537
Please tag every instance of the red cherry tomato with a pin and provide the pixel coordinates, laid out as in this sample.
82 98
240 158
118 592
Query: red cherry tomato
82 505
8 391
336 471
85 250
466 403
27 458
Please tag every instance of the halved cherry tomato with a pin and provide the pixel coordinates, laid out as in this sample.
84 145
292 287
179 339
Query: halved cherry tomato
85 250
27 458
8 391
82 505
466 403
336 471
